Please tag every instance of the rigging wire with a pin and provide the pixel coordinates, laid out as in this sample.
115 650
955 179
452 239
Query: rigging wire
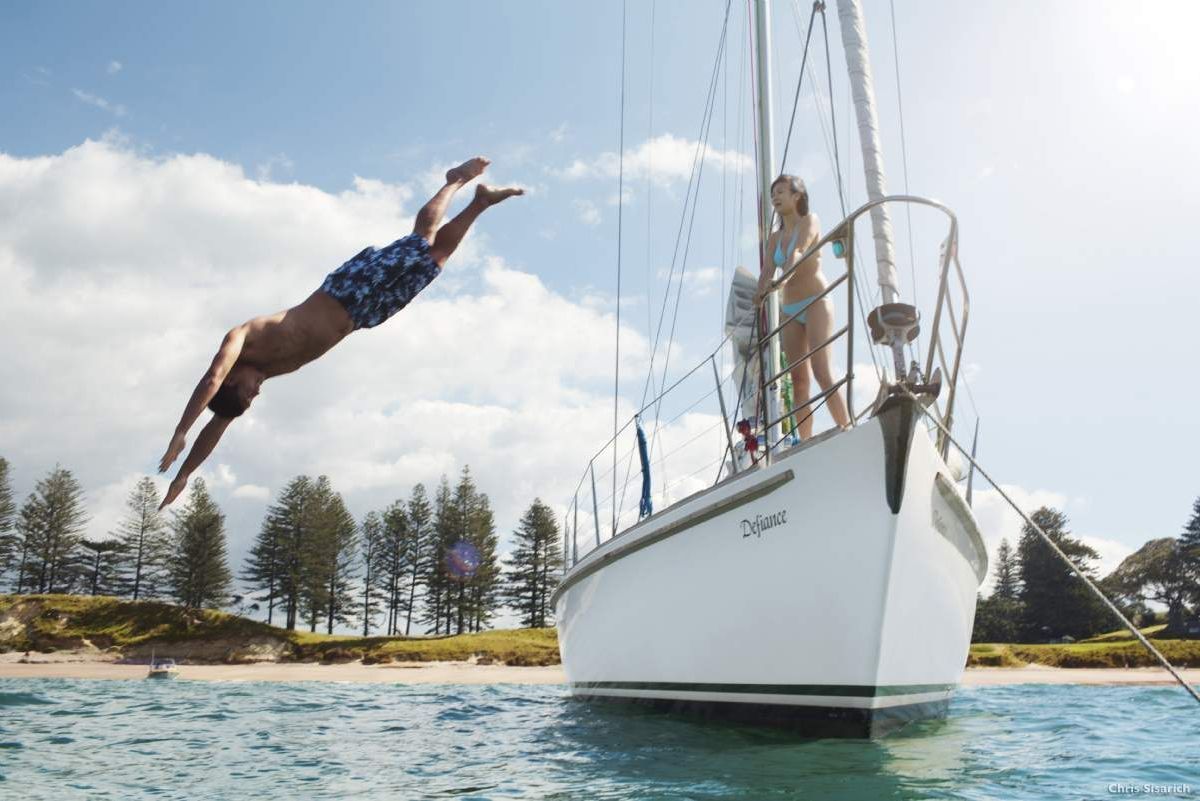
691 222
688 196
724 178
697 172
799 82
1057 550
620 210
912 259
830 141
837 163
649 183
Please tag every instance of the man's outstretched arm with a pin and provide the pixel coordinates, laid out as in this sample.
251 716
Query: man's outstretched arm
209 436
222 363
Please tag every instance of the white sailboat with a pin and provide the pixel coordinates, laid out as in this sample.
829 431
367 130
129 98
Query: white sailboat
848 564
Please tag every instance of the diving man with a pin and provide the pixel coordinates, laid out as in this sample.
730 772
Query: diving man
362 293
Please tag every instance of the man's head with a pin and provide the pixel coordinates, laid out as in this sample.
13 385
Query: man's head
240 388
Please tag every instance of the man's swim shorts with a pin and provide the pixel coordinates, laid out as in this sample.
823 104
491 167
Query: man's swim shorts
376 284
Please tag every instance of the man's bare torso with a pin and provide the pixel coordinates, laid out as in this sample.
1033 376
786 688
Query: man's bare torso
286 341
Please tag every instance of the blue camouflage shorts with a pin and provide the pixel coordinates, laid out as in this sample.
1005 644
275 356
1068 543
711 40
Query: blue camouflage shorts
376 284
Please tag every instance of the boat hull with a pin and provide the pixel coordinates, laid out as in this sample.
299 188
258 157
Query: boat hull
790 595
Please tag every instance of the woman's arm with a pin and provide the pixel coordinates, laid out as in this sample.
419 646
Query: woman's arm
766 270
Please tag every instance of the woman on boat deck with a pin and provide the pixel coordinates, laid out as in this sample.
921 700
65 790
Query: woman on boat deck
798 231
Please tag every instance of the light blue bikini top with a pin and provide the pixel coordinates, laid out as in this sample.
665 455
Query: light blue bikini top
780 257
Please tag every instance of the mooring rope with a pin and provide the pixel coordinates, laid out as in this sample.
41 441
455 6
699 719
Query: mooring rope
1054 547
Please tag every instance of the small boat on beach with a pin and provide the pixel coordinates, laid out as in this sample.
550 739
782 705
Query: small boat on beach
162 668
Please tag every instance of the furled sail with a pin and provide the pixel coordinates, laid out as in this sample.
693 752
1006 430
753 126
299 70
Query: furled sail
858 62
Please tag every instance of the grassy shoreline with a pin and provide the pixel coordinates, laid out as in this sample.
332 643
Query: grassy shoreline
132 629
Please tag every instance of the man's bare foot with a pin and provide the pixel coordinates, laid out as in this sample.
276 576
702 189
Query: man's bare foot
490 195
471 168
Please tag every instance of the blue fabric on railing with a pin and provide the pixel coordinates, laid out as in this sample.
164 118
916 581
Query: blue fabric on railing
646 508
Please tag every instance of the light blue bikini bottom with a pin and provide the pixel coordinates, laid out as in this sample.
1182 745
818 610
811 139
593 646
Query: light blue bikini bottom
799 309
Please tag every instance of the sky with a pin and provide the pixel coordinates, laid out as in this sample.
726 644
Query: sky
168 171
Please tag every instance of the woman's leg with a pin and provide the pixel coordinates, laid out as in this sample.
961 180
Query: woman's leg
820 327
795 345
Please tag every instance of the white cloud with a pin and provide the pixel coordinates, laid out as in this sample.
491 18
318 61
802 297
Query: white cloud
99 102
586 211
559 134
38 76
113 67
1111 553
278 162
252 491
623 199
703 281
122 272
223 477
664 159
998 520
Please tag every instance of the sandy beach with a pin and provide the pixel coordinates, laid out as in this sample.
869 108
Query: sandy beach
76 666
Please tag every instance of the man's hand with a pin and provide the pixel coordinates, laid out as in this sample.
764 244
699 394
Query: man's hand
206 440
178 443
177 486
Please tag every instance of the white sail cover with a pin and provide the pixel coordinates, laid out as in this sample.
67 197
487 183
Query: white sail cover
739 325
858 63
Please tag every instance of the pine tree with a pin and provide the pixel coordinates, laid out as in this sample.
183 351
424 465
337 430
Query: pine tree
394 569
9 543
339 546
276 564
998 618
263 567
101 572
1189 552
371 550
313 573
434 577
30 523
533 567
198 567
144 543
1006 573
468 526
50 527
485 585
1055 603
420 519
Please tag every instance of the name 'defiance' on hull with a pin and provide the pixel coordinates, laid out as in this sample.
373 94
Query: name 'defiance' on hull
832 591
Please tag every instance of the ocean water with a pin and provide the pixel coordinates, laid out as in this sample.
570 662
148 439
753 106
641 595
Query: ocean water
65 739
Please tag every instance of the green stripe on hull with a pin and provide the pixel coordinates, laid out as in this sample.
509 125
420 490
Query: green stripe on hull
844 690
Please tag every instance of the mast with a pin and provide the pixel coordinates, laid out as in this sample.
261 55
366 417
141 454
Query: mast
766 173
